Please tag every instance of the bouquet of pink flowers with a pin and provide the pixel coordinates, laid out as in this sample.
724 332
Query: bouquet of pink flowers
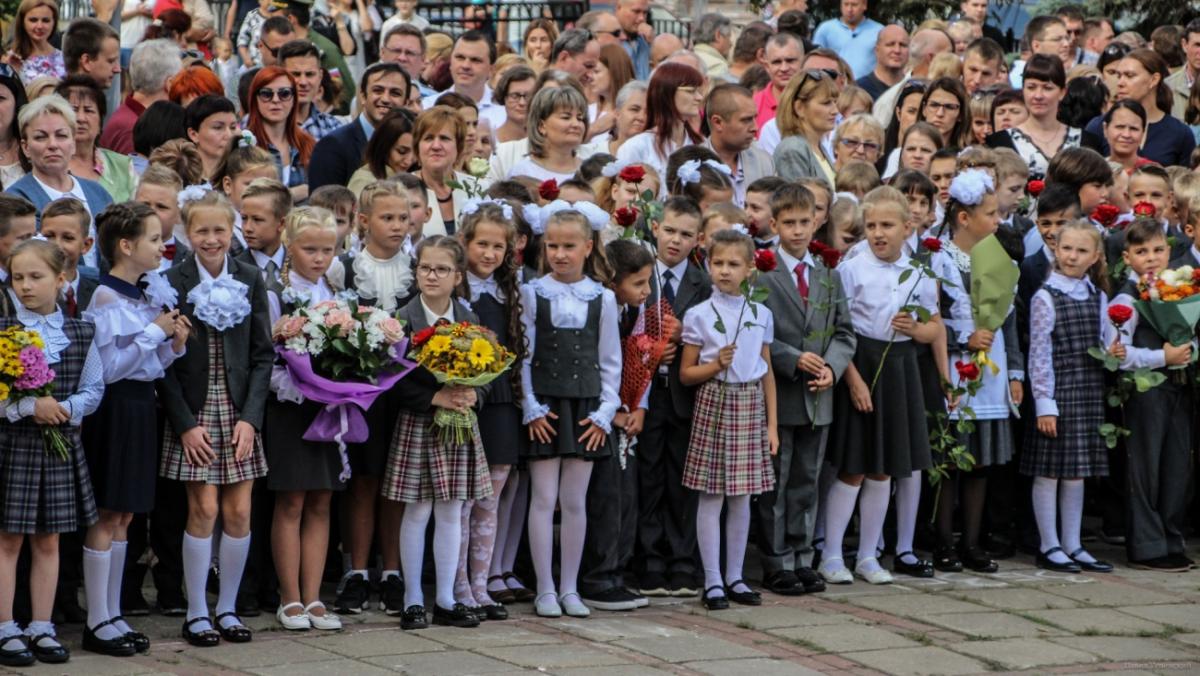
24 373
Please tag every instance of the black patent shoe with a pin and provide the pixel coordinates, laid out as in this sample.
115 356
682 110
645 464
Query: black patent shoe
458 616
714 602
114 647
746 598
238 633
20 656
920 568
810 580
946 560
784 583
201 639
141 642
1096 566
496 611
977 560
413 617
1044 562
52 654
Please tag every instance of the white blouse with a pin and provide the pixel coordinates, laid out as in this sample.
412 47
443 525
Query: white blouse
1041 326
700 329
384 280
875 293
569 310
530 168
130 344
640 148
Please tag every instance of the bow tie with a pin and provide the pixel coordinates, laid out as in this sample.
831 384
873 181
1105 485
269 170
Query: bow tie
169 251
482 286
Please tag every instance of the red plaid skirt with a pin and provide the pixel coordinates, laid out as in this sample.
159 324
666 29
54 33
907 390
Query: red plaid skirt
420 468
729 453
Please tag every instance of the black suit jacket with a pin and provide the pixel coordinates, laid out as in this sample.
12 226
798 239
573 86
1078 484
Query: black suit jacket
415 391
249 353
83 297
1034 271
693 289
337 156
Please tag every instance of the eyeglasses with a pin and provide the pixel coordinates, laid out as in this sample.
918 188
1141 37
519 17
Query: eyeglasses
854 144
935 106
282 94
518 96
438 271
615 33
410 53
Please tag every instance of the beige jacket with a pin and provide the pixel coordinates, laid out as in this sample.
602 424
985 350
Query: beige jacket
1180 90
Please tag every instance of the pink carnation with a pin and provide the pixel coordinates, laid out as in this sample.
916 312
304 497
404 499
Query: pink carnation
36 372
341 320
392 329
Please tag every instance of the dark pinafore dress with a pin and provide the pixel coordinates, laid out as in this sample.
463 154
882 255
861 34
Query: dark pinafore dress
504 437
1078 450
39 492
566 378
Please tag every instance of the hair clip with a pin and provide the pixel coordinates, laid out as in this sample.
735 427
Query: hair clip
739 228
246 139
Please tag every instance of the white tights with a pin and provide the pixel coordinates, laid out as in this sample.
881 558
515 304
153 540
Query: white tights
563 481
447 538
708 536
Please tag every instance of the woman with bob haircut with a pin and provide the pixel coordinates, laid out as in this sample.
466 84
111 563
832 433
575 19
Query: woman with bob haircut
556 126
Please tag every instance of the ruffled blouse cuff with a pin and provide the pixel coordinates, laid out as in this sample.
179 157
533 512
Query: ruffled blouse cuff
155 333
284 387
534 410
603 416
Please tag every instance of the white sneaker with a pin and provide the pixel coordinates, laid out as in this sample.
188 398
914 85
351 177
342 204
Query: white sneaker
876 576
546 605
293 622
835 572
573 605
327 621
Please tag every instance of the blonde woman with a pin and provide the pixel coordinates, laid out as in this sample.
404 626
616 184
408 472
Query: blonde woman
807 111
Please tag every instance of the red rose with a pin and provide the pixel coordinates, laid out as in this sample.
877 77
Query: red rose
752 229
764 260
626 216
423 335
932 243
967 370
1119 314
548 190
831 257
1035 187
1196 275
817 247
1105 214
1145 209
634 173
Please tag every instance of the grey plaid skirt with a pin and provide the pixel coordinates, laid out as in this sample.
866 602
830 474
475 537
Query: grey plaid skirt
728 453
43 493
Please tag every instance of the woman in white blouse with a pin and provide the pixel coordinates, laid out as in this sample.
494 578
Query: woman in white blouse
556 126
672 114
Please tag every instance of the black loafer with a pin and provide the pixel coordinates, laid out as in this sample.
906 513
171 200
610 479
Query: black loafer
784 583
20 656
458 616
496 611
141 642
114 647
921 568
810 580
201 639
946 560
714 602
1096 566
1044 562
977 560
238 633
746 598
504 595
413 617
55 654
247 606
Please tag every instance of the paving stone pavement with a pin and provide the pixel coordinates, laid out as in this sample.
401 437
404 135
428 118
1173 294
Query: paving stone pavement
1022 619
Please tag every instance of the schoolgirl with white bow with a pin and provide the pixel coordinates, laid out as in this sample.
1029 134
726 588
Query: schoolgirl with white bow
304 474
139 333
696 172
43 495
570 382
490 237
214 397
380 275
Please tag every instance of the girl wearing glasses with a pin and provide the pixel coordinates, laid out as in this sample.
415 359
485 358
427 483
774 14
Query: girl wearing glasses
272 120
1041 136
807 112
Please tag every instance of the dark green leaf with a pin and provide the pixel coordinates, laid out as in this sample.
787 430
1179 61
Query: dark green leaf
905 275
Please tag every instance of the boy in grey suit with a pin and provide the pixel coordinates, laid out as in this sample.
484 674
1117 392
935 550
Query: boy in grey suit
813 344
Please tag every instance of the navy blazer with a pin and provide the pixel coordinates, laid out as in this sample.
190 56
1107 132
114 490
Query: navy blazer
337 156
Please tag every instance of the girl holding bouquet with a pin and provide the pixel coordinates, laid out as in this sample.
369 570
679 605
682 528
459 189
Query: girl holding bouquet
43 494
214 397
492 271
304 474
429 475
138 335
570 380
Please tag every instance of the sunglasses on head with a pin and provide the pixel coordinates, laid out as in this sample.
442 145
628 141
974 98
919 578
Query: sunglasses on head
283 93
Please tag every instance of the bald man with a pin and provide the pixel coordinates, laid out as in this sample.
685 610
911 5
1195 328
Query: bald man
891 60
926 44
663 47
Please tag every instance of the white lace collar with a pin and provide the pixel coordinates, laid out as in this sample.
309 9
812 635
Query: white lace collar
385 281
960 258
549 288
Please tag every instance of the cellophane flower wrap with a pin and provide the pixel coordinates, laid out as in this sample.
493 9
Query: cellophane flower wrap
342 355
25 373
464 355
1170 301
642 352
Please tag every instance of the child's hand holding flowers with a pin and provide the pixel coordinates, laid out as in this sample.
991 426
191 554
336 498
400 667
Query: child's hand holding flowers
47 411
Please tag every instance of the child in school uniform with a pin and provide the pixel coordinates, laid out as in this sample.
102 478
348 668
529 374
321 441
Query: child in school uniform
139 333
734 431
18 222
304 474
214 397
1067 316
159 188
813 344
42 494
67 223
244 163
381 275
429 476
570 380
879 428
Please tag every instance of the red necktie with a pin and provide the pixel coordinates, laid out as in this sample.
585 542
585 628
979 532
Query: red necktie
801 282
169 251
72 306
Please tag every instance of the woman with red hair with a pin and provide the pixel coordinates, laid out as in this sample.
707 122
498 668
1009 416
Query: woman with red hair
272 120
193 82
673 103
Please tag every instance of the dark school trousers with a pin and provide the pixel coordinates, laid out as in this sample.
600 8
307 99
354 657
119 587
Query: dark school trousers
612 521
666 509
1159 472
787 515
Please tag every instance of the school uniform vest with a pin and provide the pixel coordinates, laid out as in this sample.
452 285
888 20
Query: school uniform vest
566 362
69 368
492 315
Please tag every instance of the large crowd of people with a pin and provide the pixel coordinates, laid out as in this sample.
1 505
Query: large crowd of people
734 268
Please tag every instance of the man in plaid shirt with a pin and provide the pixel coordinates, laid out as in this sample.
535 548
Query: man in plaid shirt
302 60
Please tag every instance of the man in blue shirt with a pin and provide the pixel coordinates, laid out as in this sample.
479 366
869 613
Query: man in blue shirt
636 33
852 36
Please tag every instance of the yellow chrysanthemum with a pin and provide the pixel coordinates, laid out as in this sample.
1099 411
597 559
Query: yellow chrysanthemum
481 353
36 340
438 344
3 391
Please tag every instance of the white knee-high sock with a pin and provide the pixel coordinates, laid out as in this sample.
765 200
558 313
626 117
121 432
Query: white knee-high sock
839 507
1070 512
572 498
116 571
872 509
1045 497
908 499
737 532
544 495
412 550
197 555
96 567
708 536
232 562
447 540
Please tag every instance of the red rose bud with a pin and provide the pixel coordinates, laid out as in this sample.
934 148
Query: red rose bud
932 243
764 260
633 173
967 370
1119 314
831 257
1035 187
423 335
1105 214
548 190
1145 209
626 216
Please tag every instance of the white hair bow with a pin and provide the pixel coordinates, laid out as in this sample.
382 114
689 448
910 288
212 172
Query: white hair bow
596 217
472 205
613 168
246 139
970 185
738 227
192 193
719 166
533 216
688 172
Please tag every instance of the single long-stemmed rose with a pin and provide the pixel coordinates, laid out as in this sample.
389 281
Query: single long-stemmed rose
919 263
752 295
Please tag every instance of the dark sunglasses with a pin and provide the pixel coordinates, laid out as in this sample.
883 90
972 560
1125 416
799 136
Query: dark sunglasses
283 94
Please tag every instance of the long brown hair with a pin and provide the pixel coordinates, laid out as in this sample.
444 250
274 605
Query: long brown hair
507 277
297 137
22 43
661 115
1154 64
620 71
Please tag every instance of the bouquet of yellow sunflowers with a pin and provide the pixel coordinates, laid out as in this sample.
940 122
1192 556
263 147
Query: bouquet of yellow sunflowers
462 354
25 373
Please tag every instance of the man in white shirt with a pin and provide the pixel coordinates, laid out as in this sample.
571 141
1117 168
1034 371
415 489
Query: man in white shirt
470 67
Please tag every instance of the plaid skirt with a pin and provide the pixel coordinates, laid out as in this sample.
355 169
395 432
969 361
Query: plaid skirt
42 493
218 416
729 453
421 468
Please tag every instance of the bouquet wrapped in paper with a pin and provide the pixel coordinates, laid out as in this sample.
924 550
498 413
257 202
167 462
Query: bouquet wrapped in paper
462 354
994 277
24 373
342 355
1170 301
